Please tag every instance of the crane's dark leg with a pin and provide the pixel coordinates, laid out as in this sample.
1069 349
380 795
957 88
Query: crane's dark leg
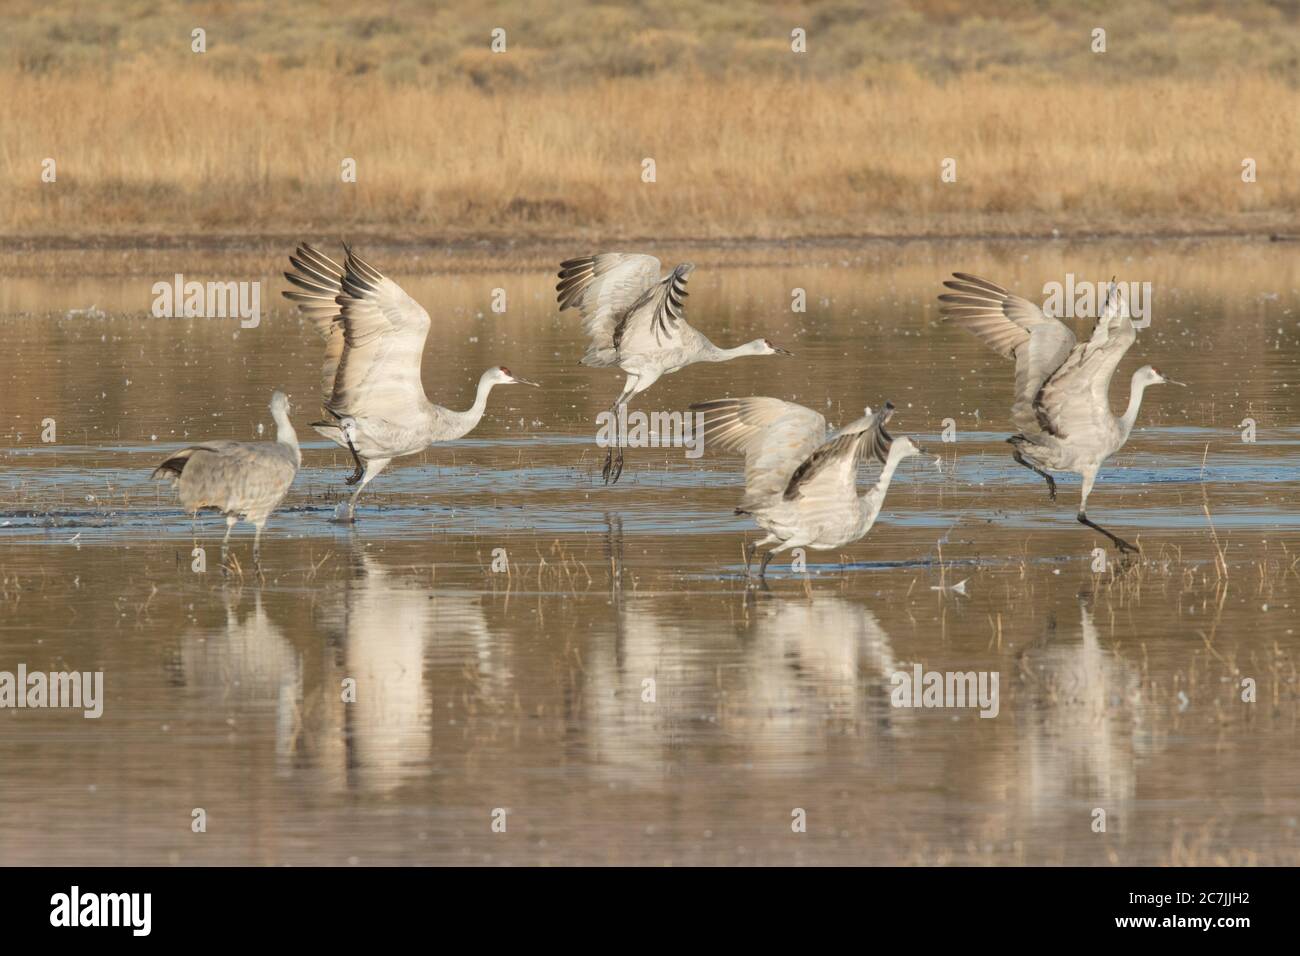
353 478
750 551
762 568
1088 478
356 459
1051 482
1119 542
609 455
614 466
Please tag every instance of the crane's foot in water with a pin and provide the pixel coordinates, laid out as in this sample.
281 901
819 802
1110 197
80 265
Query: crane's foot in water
1124 547
613 467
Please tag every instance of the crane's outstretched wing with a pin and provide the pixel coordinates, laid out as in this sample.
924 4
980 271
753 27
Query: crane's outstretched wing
1014 328
322 279
774 436
658 319
603 288
384 330
1076 397
831 472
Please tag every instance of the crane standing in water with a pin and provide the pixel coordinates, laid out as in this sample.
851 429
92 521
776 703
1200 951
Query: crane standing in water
800 484
245 480
636 322
1062 404
374 341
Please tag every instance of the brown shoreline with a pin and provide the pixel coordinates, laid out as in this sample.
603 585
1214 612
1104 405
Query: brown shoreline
239 241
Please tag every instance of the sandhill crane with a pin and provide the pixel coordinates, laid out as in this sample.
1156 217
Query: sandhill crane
245 480
800 483
1062 404
636 321
374 340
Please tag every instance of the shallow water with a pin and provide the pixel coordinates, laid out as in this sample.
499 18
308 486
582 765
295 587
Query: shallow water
522 690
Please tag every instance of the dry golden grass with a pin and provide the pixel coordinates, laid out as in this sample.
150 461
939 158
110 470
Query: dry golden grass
548 138
734 157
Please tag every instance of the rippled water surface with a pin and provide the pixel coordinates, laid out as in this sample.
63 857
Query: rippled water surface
524 690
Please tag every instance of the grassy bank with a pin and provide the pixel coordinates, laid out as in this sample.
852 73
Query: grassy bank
549 138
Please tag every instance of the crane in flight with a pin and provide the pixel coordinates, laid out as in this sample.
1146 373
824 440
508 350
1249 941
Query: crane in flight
636 321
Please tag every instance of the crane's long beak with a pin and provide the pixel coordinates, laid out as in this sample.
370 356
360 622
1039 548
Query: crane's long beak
1170 381
780 351
524 381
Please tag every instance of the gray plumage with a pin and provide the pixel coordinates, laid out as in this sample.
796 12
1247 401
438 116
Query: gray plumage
242 480
800 482
374 335
1062 399
636 321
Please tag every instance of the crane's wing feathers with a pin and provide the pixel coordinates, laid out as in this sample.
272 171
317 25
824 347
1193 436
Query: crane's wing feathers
374 337
321 278
774 436
834 465
1014 328
231 476
1076 397
654 319
1001 320
603 288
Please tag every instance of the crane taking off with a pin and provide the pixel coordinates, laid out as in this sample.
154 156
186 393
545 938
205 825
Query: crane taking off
800 483
374 341
1062 403
637 322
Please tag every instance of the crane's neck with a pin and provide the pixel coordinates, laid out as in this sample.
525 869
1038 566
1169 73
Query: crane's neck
465 422
1129 418
715 354
285 435
874 499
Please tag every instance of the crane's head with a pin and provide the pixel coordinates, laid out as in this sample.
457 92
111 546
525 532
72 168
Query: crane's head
1150 375
503 376
903 447
765 347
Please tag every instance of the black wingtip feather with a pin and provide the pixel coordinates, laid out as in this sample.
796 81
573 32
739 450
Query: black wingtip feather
171 468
